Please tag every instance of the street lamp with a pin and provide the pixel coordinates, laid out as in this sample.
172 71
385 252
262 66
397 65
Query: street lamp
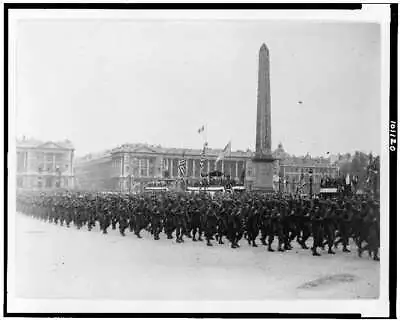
311 181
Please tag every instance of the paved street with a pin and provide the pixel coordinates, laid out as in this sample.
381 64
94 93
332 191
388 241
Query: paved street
57 262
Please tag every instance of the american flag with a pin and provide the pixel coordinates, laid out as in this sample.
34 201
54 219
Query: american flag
182 168
203 156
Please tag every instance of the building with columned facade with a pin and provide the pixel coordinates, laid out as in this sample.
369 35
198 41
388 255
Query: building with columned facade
44 165
130 165
291 171
119 168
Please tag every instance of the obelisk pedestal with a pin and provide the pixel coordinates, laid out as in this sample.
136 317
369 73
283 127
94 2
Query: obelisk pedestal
263 160
263 168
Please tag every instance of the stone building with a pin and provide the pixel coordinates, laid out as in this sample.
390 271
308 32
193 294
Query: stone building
129 165
293 171
120 168
44 165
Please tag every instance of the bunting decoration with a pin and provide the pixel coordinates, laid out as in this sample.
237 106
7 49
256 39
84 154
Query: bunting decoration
203 156
182 168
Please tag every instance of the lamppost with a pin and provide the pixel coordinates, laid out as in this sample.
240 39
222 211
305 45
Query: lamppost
311 181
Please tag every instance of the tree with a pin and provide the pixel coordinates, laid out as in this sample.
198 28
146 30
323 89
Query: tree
358 165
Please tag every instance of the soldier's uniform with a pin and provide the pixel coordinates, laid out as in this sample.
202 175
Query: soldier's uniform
156 224
329 223
234 228
123 216
252 226
317 230
196 223
180 224
210 226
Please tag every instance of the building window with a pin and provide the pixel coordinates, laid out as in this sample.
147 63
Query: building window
48 182
143 167
152 165
20 162
59 157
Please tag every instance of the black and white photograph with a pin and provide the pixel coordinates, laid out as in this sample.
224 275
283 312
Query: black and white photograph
198 161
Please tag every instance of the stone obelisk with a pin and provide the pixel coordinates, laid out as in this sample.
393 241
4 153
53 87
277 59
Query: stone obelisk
263 160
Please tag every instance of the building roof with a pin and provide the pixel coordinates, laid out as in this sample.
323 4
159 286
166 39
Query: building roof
279 153
306 161
158 149
34 143
140 147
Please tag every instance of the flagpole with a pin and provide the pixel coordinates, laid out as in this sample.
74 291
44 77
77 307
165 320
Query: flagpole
205 151
205 133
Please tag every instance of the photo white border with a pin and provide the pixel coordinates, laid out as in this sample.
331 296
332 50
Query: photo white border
372 308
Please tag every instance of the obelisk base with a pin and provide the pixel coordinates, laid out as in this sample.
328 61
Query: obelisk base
263 167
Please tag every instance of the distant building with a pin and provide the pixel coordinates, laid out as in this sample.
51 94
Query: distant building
44 165
293 172
129 165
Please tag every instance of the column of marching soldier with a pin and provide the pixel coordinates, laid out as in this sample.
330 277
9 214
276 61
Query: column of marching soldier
287 218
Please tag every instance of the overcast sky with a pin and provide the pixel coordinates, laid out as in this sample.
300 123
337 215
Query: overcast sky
101 83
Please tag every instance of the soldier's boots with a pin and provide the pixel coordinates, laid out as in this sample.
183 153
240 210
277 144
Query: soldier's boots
303 245
314 251
122 231
263 241
330 251
376 257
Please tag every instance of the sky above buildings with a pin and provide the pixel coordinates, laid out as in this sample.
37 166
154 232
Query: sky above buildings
102 83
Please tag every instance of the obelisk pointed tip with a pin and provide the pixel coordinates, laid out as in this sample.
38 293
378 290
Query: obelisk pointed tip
264 47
